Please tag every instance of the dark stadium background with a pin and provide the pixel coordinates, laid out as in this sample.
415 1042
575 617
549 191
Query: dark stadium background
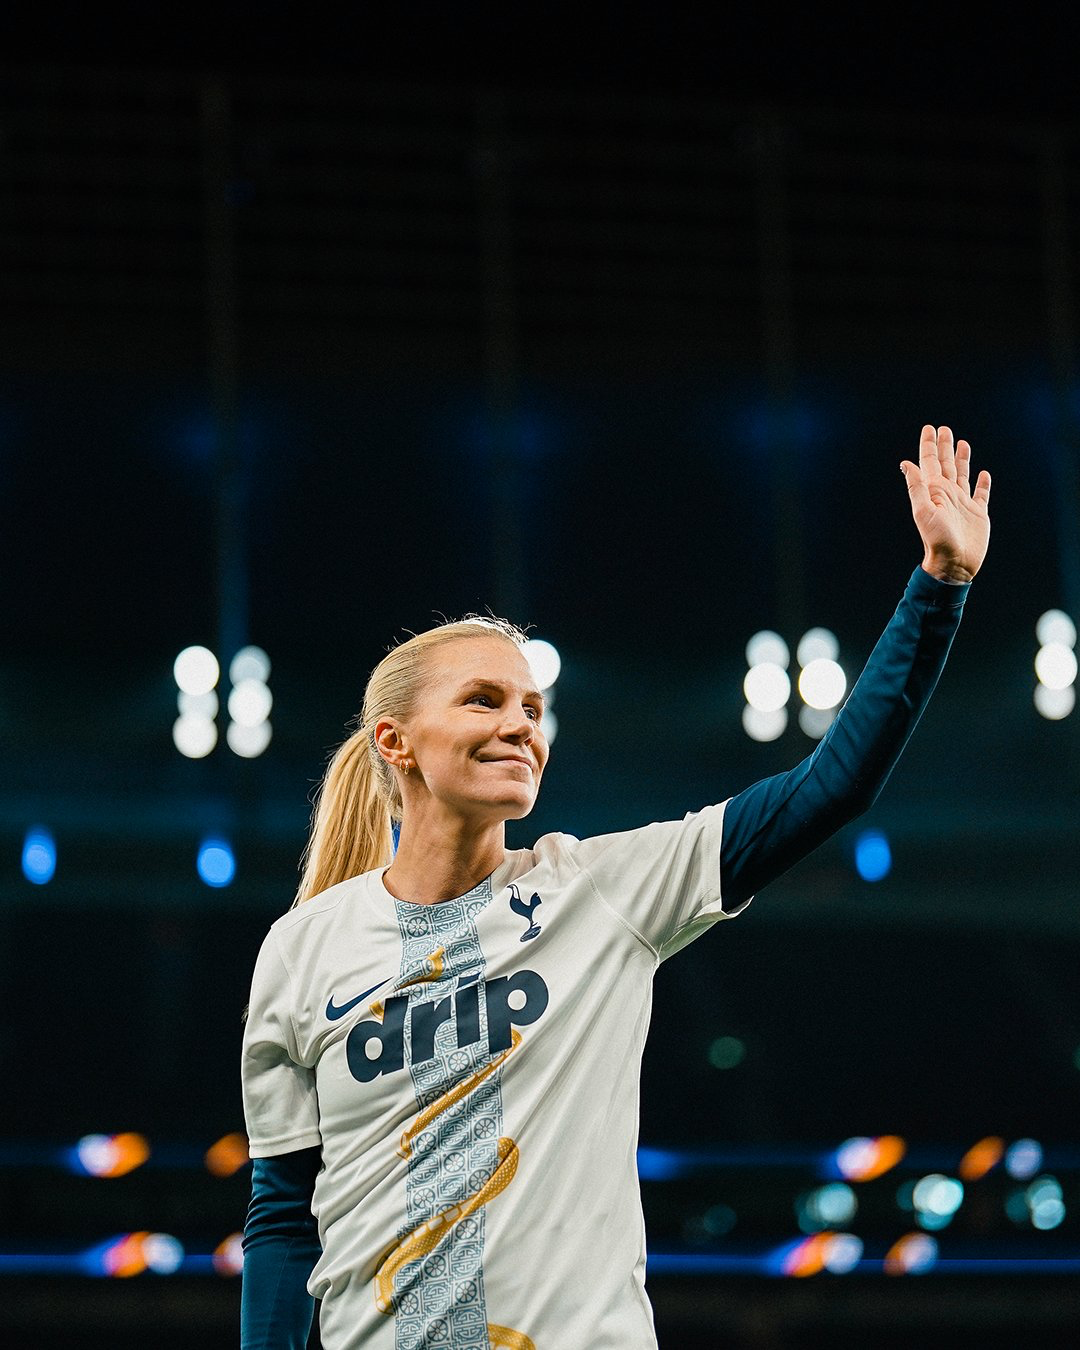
320 323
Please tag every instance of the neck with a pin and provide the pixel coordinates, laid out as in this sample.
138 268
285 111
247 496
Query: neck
438 861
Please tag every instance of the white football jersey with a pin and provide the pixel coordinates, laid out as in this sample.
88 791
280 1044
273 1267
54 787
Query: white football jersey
470 1070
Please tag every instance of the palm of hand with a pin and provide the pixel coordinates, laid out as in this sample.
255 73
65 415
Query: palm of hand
954 523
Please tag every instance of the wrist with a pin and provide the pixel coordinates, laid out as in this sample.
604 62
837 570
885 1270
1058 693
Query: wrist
947 571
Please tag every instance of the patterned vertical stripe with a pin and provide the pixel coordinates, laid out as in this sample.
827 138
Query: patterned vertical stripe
457 1161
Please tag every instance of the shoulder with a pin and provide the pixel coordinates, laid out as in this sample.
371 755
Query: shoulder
315 917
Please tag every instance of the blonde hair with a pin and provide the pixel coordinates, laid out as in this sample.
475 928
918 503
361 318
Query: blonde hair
359 798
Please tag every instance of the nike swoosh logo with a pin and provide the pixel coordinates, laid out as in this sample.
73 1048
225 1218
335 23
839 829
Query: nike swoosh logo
334 1013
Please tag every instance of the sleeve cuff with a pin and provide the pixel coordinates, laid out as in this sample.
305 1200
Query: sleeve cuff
937 594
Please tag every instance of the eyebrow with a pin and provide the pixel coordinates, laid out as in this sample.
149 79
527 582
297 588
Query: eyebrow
533 694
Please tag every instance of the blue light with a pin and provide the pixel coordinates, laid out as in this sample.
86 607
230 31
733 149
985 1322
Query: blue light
659 1164
873 858
216 864
39 856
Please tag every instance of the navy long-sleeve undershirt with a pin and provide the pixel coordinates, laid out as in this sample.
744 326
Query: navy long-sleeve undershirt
767 828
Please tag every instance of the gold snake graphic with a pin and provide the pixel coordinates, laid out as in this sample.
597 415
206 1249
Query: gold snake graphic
456 1094
505 1338
431 968
424 1239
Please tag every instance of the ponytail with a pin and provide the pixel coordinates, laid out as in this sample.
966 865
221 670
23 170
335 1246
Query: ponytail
359 799
351 829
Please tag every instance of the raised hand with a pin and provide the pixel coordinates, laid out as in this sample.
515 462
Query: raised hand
954 522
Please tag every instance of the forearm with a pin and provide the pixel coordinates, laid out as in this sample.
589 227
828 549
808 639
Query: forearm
281 1246
777 821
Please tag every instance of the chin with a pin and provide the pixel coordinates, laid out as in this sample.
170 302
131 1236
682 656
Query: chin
518 810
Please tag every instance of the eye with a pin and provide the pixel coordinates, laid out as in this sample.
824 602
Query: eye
535 712
472 698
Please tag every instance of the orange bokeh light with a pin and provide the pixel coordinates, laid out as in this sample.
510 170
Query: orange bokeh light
126 1258
228 1155
129 1151
981 1157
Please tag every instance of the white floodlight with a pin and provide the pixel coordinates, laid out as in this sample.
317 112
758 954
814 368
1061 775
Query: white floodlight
194 736
767 687
1055 626
545 661
250 702
817 644
822 683
198 705
815 722
249 663
196 670
248 741
1054 704
760 725
768 646
1055 665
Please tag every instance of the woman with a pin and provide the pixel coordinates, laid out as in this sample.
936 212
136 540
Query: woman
442 1054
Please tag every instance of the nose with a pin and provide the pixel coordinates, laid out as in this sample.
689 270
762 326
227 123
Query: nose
517 727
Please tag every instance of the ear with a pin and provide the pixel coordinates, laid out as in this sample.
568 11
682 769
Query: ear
389 739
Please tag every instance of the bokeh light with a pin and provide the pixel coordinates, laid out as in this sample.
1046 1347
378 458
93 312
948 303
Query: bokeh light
162 1253
873 856
216 864
817 644
1054 704
196 670
822 684
227 1155
248 742
769 648
727 1052
545 661
767 687
764 726
109 1155
194 736
198 705
826 1207
719 1220
250 702
1055 665
841 1253
938 1195
228 1257
249 663
863 1158
981 1158
1023 1159
1046 1203
815 722
913 1254
39 856
1055 626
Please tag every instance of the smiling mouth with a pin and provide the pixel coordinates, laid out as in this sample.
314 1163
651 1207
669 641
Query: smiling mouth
507 760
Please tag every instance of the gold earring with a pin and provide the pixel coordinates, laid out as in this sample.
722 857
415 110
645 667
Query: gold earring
405 765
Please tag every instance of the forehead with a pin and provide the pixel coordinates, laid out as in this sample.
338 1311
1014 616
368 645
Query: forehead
482 658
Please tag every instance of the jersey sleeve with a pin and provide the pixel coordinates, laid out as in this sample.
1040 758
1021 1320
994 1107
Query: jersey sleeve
661 881
774 823
281 1108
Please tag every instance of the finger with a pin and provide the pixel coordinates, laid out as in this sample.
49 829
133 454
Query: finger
982 488
963 465
928 452
916 484
945 453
